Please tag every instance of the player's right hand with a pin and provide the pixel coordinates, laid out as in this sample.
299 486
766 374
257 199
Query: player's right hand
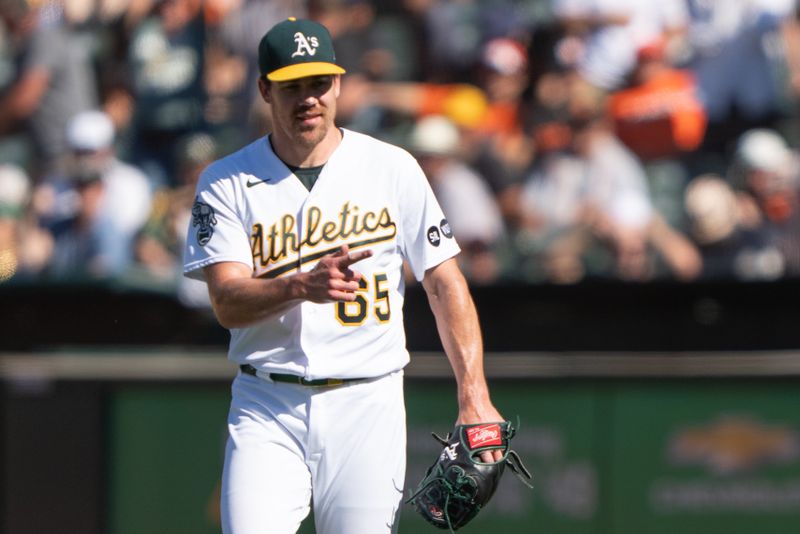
332 279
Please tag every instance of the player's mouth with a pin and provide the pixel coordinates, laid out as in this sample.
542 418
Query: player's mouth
309 119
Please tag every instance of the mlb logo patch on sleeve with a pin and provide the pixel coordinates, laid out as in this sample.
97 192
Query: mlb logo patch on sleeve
488 435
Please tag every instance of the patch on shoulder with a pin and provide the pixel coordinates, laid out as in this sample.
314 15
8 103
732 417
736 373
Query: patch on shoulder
204 218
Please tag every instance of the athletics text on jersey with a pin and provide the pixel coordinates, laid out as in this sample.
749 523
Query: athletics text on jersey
369 195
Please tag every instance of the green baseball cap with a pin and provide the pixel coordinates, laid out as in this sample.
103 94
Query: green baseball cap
296 48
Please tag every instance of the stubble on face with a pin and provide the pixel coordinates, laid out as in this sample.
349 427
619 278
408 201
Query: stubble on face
309 136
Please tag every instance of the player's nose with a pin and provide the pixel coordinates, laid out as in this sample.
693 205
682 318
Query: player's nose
307 101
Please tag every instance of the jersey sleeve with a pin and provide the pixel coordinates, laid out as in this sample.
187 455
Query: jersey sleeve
425 236
216 232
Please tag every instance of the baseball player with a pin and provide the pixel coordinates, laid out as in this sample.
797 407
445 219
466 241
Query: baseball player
301 238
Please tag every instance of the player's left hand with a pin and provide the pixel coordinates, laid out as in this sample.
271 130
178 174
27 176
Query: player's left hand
459 484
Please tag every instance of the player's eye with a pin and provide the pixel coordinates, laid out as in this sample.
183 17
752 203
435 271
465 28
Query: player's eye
322 83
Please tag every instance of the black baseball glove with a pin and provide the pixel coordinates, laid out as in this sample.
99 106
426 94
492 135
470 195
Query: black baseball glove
459 484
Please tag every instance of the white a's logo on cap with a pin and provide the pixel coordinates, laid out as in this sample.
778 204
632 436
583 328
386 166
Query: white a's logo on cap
305 45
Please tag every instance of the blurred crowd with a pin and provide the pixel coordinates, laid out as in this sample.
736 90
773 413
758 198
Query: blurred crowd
566 140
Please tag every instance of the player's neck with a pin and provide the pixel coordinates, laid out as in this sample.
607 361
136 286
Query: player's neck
301 156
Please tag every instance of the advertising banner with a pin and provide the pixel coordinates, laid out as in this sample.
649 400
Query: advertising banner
705 457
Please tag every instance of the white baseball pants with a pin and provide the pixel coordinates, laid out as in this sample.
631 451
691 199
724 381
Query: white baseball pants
343 447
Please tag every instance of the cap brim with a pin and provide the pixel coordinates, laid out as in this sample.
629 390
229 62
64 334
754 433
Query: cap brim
303 70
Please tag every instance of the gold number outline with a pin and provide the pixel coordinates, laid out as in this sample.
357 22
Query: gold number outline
355 313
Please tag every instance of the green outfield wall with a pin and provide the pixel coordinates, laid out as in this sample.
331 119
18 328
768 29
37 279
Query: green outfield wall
119 442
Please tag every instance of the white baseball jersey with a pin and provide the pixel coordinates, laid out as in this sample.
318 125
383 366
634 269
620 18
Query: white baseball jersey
251 209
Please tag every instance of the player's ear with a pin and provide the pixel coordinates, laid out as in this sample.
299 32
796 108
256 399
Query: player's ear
264 87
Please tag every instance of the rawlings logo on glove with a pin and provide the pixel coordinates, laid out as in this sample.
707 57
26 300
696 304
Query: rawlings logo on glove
458 484
484 435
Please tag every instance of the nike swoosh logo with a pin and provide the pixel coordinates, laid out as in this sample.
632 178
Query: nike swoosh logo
251 183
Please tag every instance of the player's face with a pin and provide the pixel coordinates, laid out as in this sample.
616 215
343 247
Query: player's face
303 110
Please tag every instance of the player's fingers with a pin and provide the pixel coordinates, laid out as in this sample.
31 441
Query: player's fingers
333 260
351 275
343 285
352 258
490 457
343 296
486 457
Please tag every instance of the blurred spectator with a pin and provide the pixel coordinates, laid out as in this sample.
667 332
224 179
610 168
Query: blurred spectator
590 214
91 136
729 249
547 113
24 247
159 245
620 209
471 209
490 104
118 102
395 106
549 212
603 37
503 150
659 115
97 206
78 251
502 72
736 55
488 112
167 60
367 43
452 35
767 172
53 80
